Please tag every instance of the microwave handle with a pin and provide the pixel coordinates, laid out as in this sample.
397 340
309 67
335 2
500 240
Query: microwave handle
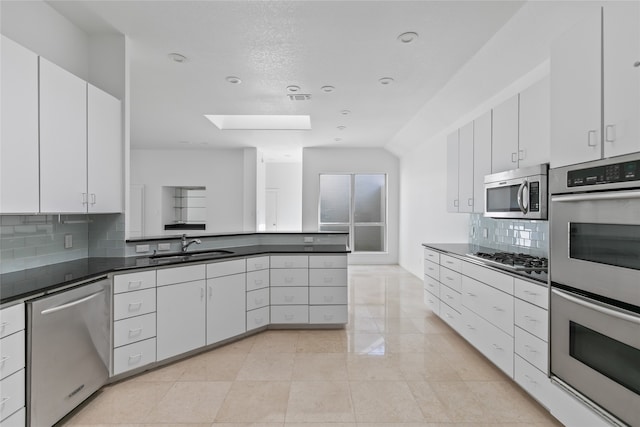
521 205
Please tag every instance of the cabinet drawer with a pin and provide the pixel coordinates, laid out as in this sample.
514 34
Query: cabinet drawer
257 280
495 344
289 261
532 319
290 314
12 354
432 269
328 295
432 302
134 329
134 281
11 319
450 262
498 280
226 268
11 394
289 277
328 314
134 356
136 303
532 349
18 419
290 295
328 277
450 297
431 285
328 261
257 318
489 303
258 298
451 278
534 382
450 316
188 273
257 263
431 255
532 293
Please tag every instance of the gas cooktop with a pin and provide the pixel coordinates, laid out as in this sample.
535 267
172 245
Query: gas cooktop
513 261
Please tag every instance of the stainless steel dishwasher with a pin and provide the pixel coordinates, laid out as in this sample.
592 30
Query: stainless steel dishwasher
68 346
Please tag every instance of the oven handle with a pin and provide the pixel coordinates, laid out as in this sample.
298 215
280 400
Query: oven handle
616 195
597 307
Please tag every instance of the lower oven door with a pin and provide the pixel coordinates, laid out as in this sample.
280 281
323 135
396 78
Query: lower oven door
595 349
595 243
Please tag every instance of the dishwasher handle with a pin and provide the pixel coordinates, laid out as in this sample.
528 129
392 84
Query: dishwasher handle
71 304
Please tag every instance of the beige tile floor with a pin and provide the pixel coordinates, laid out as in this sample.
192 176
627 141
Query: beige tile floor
394 364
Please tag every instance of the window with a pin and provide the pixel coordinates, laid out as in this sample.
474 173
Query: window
357 204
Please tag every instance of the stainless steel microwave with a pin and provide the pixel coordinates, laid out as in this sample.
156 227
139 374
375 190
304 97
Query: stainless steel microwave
519 193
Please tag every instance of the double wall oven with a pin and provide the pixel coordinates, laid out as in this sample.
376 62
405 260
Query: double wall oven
594 271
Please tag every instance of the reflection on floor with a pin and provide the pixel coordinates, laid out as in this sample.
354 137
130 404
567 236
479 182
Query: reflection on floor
394 364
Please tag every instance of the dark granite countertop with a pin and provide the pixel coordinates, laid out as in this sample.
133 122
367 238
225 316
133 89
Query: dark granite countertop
197 234
461 250
40 280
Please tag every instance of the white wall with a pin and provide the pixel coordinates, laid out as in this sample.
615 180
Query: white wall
221 171
352 160
516 57
286 179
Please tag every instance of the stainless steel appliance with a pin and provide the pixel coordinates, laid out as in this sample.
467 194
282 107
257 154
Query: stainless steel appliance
595 280
68 349
519 193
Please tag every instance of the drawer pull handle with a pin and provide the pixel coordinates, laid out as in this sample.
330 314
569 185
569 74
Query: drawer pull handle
497 347
288 279
471 327
471 295
449 296
3 324
135 332
4 359
328 298
496 308
4 400
135 306
135 285
257 266
430 302
328 264
258 282
431 268
530 349
531 293
530 379
328 317
449 278
449 262
288 298
288 264
328 279
448 315
135 358
288 317
531 319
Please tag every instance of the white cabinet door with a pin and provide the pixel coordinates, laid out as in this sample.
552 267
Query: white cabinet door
19 180
63 140
226 307
465 168
621 56
504 140
576 92
535 118
181 318
452 172
481 158
104 151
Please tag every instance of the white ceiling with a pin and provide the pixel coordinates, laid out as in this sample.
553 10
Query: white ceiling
270 45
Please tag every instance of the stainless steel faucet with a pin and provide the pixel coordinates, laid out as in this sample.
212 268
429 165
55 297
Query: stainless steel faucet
185 244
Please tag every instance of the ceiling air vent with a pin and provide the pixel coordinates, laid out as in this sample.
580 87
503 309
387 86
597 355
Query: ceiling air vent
299 96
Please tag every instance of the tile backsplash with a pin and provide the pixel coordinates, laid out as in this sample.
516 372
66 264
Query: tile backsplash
526 236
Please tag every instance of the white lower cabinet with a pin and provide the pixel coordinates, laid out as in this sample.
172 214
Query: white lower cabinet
134 329
258 318
329 314
181 318
12 365
17 419
12 394
293 314
226 307
290 295
134 356
494 343
257 299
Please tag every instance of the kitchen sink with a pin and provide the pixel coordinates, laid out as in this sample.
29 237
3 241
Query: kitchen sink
185 256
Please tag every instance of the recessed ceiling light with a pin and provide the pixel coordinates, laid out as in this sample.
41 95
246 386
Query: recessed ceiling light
233 80
293 88
345 112
408 37
176 57
386 80
327 89
342 127
260 122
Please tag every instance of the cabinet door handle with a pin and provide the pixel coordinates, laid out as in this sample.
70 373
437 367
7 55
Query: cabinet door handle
93 198
135 306
210 291
522 154
135 332
610 133
135 285
496 308
470 201
591 136
514 157
84 198
455 203
135 358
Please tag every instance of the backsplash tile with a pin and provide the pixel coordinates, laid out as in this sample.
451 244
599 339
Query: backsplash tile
526 236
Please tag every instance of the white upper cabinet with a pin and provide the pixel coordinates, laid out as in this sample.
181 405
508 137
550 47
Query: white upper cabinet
481 158
594 76
505 136
452 172
534 145
465 168
19 180
104 152
63 140
621 56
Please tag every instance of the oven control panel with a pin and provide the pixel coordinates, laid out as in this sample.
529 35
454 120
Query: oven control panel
617 172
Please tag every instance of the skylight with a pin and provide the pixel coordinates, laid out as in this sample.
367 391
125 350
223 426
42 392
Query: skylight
260 122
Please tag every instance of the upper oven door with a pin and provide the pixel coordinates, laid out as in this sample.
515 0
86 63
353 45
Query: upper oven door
595 243
516 198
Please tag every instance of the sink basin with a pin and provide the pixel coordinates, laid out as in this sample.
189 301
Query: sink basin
184 256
